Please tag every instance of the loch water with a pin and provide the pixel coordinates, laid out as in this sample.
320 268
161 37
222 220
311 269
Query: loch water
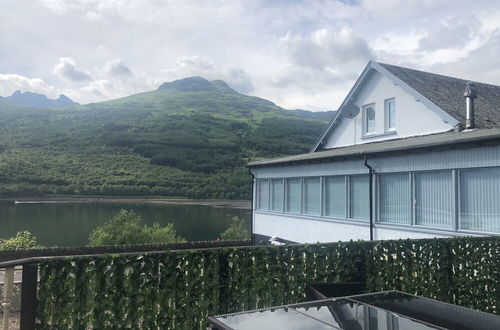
69 224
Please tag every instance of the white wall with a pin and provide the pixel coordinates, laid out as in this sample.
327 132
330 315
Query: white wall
309 230
331 168
412 117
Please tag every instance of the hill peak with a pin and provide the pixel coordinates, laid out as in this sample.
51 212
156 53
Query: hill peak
196 84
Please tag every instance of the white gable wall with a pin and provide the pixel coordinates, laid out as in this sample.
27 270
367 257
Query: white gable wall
412 117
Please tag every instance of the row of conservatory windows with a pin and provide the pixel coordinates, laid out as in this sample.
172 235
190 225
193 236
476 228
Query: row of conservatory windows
452 199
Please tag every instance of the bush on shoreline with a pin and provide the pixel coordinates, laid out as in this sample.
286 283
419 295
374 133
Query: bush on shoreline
125 228
22 240
236 231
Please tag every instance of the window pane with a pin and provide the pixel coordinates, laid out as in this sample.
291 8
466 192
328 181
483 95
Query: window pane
390 112
312 199
434 199
359 197
480 199
277 195
370 119
335 196
263 194
394 198
293 195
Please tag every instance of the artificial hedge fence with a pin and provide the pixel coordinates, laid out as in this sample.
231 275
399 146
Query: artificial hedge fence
178 290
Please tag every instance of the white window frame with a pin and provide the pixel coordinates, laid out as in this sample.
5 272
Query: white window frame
387 114
365 119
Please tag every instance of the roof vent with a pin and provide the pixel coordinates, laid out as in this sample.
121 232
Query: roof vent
470 94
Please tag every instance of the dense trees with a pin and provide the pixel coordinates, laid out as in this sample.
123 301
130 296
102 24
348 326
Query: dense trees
166 142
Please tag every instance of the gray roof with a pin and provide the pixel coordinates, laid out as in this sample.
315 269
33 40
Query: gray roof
455 139
448 94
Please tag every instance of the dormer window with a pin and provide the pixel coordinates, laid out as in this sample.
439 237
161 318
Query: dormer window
369 118
390 114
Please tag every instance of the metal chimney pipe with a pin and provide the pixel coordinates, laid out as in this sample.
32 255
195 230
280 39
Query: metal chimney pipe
470 94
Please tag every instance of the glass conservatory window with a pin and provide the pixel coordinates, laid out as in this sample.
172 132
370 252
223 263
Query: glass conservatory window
312 193
277 195
263 194
335 200
394 198
480 199
293 195
359 197
434 199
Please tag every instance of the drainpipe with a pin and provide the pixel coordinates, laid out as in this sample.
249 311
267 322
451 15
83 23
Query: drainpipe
251 214
370 169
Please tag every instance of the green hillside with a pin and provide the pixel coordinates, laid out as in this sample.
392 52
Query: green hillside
189 138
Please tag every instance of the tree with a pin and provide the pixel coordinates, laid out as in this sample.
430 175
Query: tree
22 240
159 234
125 228
236 231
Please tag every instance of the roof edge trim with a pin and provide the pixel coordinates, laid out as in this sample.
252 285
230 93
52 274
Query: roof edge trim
349 96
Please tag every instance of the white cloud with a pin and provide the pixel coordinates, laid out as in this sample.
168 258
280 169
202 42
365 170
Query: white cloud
67 69
326 48
295 53
196 65
9 83
319 70
117 68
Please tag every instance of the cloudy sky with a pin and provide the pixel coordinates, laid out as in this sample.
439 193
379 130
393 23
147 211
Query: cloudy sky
298 54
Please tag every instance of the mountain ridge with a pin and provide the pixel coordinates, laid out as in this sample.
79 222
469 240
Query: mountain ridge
35 100
194 142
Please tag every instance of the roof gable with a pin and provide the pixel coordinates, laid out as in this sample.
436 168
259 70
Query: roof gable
441 94
448 94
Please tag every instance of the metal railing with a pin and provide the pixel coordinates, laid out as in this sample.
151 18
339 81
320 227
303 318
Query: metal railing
8 289
29 278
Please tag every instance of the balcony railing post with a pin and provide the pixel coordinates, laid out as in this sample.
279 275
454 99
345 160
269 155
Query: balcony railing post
28 296
8 286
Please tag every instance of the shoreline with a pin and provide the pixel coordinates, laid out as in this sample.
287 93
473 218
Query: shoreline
236 204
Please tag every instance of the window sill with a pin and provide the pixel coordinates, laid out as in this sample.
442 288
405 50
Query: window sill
349 221
370 136
432 230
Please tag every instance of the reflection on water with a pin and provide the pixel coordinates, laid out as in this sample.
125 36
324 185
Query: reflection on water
69 224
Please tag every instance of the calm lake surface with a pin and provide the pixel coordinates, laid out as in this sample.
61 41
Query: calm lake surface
69 224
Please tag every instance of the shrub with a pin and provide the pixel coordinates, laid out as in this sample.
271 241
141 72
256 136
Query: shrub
236 231
125 228
22 240
159 234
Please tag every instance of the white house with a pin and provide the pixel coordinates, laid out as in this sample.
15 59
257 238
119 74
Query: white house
427 144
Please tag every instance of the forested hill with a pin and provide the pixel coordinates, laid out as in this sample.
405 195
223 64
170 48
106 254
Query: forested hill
189 138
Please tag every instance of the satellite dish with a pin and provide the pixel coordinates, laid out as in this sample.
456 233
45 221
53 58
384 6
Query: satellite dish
350 110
